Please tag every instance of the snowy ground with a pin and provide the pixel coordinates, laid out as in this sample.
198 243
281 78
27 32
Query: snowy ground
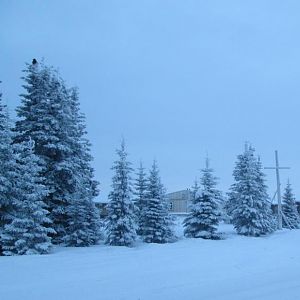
235 268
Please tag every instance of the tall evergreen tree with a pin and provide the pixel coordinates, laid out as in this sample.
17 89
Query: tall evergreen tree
291 218
83 220
203 219
155 222
121 227
49 114
250 208
82 145
26 233
43 117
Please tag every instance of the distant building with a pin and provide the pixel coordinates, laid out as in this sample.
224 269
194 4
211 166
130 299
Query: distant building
179 201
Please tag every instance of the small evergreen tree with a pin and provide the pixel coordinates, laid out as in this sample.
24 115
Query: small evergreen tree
121 227
249 206
95 224
291 218
83 224
203 219
140 186
140 189
155 222
26 233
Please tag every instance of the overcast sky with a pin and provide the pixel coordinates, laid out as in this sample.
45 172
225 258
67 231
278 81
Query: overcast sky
177 79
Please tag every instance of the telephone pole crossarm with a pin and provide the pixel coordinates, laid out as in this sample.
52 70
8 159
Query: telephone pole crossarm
274 168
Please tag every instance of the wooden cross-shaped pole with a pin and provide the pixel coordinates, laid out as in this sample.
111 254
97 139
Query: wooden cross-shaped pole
277 168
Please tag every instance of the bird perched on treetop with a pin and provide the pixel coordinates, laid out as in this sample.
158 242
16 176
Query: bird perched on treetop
34 61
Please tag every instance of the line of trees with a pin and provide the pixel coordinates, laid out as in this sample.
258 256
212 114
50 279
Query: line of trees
47 183
146 215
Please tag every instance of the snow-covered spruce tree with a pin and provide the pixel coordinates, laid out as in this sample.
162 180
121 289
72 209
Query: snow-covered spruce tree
121 226
27 233
42 110
83 227
95 224
140 186
83 146
83 220
250 209
49 114
203 219
155 221
8 171
140 189
291 218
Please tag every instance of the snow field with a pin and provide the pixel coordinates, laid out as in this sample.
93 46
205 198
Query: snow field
236 268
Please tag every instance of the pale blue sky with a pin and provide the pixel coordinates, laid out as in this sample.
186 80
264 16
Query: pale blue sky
175 78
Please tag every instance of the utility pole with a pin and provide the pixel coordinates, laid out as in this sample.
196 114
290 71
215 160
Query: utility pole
277 168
